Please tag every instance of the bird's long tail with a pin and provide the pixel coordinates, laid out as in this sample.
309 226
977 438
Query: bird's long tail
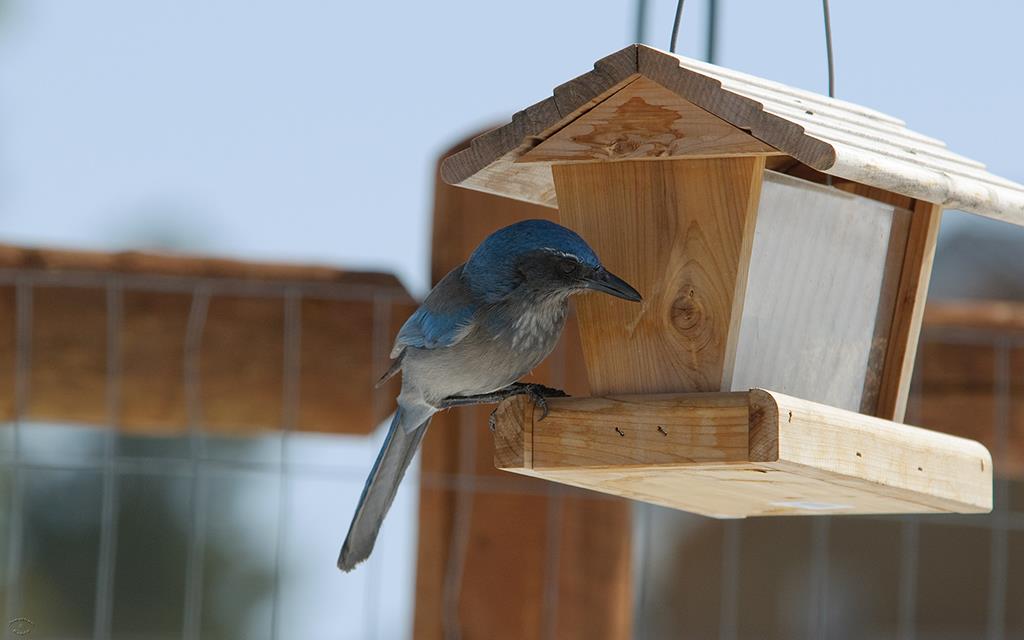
381 486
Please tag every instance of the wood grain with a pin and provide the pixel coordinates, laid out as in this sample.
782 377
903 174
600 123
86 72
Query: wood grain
838 137
909 311
960 388
763 453
152 347
241 362
513 434
41 259
8 353
594 557
832 136
793 167
874 193
645 120
898 460
990 315
615 431
488 163
67 378
677 231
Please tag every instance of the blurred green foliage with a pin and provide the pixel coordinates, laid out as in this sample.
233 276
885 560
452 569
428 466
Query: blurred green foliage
60 554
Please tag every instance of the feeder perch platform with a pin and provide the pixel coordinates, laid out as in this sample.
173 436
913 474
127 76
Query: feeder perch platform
739 454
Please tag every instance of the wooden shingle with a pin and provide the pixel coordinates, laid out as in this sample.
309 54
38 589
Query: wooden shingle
831 136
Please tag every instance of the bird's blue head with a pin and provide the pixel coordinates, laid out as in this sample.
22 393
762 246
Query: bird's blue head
539 257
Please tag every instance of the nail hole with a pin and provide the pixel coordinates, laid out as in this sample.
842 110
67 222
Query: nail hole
809 112
858 455
619 431
662 431
920 469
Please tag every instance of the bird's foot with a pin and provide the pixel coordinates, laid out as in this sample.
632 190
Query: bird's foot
538 393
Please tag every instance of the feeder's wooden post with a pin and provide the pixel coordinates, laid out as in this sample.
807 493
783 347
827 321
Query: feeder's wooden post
909 311
681 232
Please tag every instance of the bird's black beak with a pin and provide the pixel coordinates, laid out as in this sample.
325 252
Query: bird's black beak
609 283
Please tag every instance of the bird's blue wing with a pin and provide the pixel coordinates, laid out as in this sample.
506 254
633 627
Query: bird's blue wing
432 330
444 318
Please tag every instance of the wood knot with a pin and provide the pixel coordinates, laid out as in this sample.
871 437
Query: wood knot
690 317
623 147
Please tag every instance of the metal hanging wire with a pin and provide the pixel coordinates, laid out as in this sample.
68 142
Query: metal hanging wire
828 49
641 20
712 32
675 26
831 64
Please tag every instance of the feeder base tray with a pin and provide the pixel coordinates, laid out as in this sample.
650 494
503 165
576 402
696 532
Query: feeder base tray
739 454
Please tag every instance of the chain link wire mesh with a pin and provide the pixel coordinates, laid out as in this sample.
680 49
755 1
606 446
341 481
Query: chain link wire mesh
111 535
898 577
901 577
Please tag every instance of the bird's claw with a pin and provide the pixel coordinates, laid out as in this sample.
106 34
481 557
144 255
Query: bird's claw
539 401
544 391
539 394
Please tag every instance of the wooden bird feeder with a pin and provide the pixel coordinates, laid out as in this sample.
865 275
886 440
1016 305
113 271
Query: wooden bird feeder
783 242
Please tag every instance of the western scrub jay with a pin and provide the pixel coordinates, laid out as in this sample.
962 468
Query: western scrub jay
487 323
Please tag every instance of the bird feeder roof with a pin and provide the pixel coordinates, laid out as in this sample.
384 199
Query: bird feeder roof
829 135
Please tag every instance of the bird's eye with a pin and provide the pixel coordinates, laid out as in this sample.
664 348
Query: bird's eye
568 266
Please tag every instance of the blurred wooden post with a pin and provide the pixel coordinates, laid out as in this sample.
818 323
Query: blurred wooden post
533 560
970 376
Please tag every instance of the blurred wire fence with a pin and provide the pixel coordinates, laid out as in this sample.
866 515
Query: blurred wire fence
899 577
190 532
215 528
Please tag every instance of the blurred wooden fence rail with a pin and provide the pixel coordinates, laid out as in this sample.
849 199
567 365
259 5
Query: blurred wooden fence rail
970 376
121 338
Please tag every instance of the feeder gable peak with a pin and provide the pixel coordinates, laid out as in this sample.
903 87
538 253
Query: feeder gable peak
643 103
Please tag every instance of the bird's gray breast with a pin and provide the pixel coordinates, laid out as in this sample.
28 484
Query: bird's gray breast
537 328
504 345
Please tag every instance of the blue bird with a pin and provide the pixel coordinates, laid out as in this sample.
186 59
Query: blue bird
486 324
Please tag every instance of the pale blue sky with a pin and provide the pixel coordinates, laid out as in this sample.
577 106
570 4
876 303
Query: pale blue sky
307 130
